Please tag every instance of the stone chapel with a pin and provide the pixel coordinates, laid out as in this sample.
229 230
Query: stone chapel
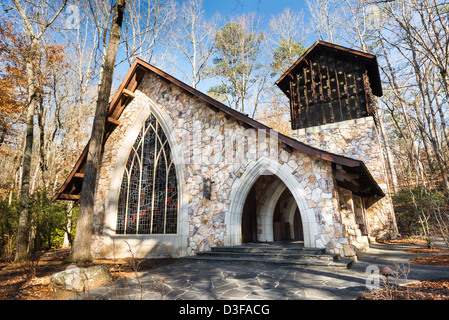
182 173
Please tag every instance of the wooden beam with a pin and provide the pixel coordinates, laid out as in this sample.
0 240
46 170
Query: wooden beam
66 196
314 93
113 121
214 108
293 115
350 186
349 177
286 147
320 97
129 93
299 117
79 175
79 164
307 97
329 93
244 124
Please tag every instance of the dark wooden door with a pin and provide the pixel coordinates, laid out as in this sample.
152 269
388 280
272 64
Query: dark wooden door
281 229
249 218
297 226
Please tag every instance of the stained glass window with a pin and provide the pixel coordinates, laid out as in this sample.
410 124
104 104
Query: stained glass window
148 199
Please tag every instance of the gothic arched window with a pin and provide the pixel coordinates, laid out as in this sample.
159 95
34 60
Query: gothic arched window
148 200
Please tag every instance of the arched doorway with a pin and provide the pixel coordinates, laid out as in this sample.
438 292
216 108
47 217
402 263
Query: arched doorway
287 222
285 178
269 212
249 218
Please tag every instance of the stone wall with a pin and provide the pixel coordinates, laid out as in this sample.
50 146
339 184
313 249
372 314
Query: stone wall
352 227
358 139
209 144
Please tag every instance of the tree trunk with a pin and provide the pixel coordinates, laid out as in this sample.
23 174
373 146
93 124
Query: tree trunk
22 234
41 125
407 135
387 154
67 236
83 236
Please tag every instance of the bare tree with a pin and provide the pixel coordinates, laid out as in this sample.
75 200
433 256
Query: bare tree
193 39
287 33
34 34
146 30
403 29
325 18
286 37
83 237
360 22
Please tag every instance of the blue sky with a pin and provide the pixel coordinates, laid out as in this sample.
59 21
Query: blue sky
265 7
228 8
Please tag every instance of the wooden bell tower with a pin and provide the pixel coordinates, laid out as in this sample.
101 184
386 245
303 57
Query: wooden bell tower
332 93
329 84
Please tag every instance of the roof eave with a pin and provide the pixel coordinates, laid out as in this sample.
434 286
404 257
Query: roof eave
116 107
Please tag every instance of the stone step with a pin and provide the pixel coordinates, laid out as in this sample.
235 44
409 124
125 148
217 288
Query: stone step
269 255
261 250
277 253
305 263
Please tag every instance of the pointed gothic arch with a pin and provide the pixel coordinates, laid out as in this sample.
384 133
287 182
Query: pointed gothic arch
148 197
242 186
147 242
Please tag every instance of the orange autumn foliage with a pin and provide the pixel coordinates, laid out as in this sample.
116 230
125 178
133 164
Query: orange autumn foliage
13 78
277 118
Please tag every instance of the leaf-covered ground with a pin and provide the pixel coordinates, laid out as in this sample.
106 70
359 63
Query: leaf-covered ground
436 289
31 280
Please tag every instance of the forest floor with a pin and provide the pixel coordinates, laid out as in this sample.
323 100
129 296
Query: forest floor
31 280
435 289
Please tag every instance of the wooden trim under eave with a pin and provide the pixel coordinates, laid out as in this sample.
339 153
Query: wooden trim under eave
113 121
124 95
74 197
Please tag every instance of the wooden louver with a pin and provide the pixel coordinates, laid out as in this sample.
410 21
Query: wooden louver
330 84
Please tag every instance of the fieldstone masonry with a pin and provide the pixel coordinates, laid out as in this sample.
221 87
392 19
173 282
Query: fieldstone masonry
357 139
208 143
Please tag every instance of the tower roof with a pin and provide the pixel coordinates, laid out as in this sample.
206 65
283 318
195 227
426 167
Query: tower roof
367 59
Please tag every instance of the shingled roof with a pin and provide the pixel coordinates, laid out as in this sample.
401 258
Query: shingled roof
71 189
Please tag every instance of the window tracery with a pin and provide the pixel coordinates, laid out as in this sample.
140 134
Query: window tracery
148 198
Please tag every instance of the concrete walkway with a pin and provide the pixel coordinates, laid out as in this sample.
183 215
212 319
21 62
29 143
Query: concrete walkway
200 280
